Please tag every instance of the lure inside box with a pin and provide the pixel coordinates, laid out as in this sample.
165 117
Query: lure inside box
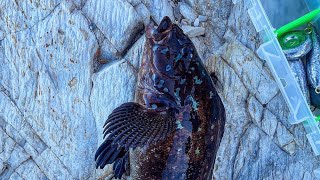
266 20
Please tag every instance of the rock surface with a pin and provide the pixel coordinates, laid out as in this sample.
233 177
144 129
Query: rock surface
54 100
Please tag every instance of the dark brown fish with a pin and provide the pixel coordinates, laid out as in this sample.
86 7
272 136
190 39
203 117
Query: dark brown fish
178 122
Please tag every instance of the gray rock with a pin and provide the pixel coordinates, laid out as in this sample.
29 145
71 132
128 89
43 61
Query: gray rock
15 176
79 3
16 14
241 59
135 54
159 9
2 35
185 22
196 22
187 11
112 86
202 18
117 19
144 13
134 2
53 105
30 170
53 117
46 161
191 31
109 84
3 165
108 51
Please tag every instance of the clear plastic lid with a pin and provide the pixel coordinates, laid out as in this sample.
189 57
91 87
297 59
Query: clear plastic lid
271 51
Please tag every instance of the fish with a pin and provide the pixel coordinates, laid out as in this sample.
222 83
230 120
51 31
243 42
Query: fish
174 129
300 75
295 44
313 63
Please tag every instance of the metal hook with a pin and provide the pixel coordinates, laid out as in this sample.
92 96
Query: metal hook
308 29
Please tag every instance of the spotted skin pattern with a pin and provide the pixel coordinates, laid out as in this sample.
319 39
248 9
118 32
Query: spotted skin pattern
173 76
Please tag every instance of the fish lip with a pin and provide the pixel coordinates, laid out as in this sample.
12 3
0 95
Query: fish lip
156 35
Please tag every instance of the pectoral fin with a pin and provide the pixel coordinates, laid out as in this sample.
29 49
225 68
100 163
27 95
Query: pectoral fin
129 126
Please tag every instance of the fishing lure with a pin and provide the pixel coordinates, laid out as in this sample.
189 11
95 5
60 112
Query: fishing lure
313 64
297 68
295 44
178 119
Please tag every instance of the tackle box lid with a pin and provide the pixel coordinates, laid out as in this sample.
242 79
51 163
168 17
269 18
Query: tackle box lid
271 52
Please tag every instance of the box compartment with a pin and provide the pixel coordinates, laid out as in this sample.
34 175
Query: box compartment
265 20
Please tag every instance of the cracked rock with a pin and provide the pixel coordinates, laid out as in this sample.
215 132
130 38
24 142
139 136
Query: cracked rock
202 18
15 15
3 166
108 51
187 11
191 31
135 54
41 61
114 83
117 19
159 9
196 22
29 170
251 70
53 103
134 2
144 13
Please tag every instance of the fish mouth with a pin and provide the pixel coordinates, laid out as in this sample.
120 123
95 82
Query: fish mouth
158 34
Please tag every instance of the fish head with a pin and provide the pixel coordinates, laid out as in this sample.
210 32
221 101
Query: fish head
170 50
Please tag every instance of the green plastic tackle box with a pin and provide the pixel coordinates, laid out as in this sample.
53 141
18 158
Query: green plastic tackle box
266 20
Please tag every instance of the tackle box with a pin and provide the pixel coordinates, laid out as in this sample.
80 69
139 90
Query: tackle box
266 20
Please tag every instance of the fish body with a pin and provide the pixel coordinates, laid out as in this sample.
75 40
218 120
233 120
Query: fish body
297 68
175 127
313 64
